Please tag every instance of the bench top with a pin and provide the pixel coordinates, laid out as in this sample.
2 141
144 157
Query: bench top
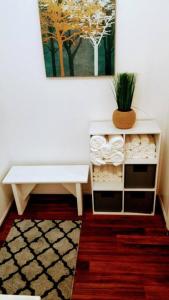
47 174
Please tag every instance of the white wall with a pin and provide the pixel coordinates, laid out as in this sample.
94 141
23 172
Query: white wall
164 191
46 120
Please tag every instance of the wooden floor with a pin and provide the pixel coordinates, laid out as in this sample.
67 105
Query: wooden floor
120 257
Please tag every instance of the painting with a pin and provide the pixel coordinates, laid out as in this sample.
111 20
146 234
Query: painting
78 37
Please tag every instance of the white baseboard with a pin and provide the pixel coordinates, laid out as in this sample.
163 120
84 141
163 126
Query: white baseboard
5 213
164 212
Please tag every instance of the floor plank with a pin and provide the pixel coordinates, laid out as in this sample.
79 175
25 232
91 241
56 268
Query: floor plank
120 257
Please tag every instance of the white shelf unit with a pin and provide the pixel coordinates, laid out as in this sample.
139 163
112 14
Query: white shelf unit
128 197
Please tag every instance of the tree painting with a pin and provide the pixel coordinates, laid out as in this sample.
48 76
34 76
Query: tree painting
78 37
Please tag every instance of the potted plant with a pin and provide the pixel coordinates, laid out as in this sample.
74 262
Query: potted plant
124 85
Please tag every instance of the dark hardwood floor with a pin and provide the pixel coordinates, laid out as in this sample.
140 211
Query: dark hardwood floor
120 257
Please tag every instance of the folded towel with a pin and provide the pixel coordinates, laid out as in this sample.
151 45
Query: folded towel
128 138
144 139
148 153
96 157
97 170
151 139
152 144
134 156
107 173
135 139
132 141
117 171
97 153
140 147
97 141
142 153
128 154
106 178
96 161
151 147
118 179
106 151
128 144
117 158
151 155
116 140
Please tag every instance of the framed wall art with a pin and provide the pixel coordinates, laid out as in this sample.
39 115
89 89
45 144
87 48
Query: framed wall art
78 37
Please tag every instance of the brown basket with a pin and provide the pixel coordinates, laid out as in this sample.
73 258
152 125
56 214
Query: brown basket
124 119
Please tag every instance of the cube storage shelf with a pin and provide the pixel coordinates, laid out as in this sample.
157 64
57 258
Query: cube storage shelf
136 192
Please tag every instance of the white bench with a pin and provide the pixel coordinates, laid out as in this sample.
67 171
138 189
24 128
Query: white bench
24 179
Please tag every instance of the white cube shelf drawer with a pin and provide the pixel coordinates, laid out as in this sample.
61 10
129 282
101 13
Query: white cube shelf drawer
124 167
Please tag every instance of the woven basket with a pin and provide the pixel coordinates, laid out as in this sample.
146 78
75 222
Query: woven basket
124 119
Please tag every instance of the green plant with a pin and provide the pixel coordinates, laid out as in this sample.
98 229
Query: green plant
124 86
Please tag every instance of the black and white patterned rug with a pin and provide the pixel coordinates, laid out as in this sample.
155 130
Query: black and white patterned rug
39 258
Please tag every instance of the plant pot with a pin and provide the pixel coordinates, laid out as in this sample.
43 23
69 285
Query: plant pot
124 119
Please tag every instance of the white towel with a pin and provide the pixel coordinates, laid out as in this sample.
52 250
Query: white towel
148 153
135 139
96 161
117 179
117 158
144 139
133 153
128 154
97 153
152 144
128 142
141 153
151 139
151 147
116 140
107 173
151 155
132 141
97 170
96 157
117 171
106 151
97 141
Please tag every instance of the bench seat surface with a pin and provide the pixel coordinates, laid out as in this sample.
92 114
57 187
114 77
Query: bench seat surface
47 174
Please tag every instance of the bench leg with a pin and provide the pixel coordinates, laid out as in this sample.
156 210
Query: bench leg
21 195
79 199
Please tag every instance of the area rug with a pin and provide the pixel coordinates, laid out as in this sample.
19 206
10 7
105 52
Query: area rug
39 258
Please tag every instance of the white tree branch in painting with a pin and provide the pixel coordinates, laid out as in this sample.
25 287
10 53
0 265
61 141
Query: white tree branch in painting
98 16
